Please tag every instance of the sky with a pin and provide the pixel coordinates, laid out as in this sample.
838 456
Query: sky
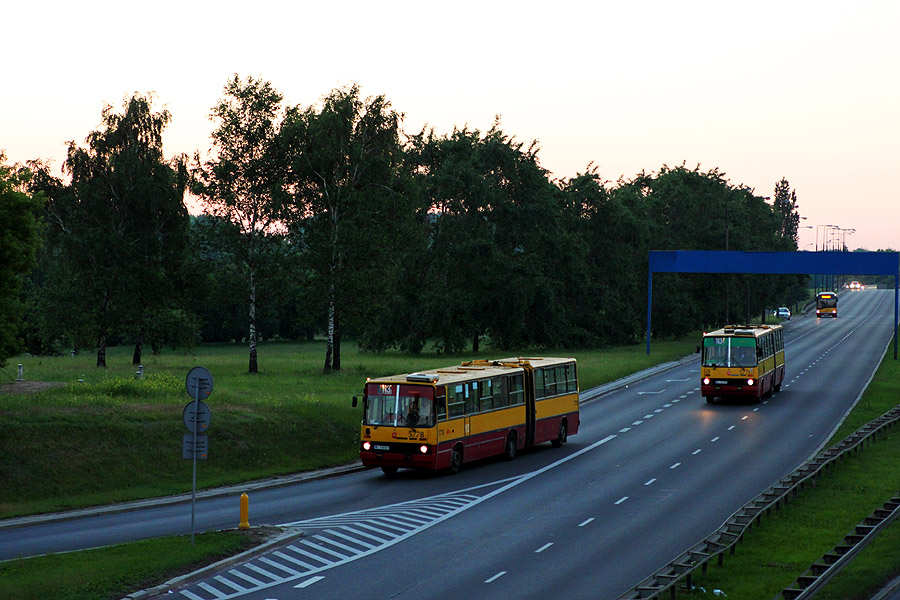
803 90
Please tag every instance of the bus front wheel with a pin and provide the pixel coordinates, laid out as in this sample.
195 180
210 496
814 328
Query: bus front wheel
456 459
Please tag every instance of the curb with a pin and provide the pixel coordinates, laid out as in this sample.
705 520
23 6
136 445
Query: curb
232 490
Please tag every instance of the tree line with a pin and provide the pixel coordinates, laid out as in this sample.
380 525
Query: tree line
329 220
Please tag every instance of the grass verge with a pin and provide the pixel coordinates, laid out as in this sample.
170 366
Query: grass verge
116 571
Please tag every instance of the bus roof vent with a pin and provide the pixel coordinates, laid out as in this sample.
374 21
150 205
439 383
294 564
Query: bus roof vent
427 377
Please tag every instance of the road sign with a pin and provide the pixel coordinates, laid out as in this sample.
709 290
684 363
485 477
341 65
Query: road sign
187 446
199 380
196 413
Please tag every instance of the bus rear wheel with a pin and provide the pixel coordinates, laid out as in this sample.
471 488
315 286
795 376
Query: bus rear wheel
563 435
509 451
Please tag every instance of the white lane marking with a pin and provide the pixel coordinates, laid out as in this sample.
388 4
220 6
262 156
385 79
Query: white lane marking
637 423
621 500
667 406
730 428
755 409
697 451
625 430
679 380
658 392
648 416
583 523
675 466
544 547
744 418
658 410
309 582
495 577
715 439
651 481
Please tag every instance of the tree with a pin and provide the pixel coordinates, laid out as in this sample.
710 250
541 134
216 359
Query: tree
785 206
243 182
344 168
19 241
118 230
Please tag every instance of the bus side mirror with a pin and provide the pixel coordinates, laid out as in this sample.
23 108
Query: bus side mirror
354 401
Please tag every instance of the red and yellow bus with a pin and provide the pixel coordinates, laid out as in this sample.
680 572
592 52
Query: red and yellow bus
826 304
742 360
443 418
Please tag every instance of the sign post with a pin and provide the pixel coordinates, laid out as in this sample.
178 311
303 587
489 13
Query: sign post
197 417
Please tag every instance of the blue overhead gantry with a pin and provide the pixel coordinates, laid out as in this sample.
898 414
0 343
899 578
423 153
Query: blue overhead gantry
777 263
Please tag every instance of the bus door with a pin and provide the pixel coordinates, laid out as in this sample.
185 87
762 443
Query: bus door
530 409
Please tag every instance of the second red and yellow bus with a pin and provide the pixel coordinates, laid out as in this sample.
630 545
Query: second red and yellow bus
742 361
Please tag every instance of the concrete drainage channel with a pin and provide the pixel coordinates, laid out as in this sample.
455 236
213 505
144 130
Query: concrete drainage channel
726 538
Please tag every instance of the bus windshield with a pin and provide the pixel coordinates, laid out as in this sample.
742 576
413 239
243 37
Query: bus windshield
726 351
399 405
827 301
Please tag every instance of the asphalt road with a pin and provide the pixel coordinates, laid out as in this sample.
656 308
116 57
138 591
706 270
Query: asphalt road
653 470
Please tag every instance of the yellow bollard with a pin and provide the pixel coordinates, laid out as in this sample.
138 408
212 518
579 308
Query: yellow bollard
245 510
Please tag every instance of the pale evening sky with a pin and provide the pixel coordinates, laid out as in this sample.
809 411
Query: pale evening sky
806 90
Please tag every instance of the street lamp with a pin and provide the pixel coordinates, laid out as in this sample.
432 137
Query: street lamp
823 236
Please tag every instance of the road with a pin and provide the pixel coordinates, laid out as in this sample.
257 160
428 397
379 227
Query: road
653 470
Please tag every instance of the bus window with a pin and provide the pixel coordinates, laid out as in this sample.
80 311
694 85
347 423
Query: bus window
471 390
539 384
516 390
726 351
440 404
562 382
500 398
550 381
397 405
456 406
487 395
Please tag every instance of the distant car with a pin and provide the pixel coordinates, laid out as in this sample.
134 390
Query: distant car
855 285
783 312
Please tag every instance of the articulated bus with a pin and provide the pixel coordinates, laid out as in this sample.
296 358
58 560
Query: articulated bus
442 418
742 360
826 304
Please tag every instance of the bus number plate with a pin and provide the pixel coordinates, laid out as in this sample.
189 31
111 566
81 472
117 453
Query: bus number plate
718 382
381 447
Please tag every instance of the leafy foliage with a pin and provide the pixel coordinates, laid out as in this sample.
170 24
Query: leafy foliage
19 240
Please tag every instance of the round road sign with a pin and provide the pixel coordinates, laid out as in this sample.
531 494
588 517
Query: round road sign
199 414
199 380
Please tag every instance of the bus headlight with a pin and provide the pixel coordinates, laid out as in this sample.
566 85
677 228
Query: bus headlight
706 381
423 449
749 382
367 446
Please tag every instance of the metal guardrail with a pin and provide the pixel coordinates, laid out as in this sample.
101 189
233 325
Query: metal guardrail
820 573
726 538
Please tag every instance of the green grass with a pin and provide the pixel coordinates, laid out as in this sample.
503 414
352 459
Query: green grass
785 544
116 571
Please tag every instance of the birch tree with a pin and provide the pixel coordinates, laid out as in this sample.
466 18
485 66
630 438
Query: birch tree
242 181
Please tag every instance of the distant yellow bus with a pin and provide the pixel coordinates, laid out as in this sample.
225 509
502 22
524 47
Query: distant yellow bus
826 304
743 361
443 418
